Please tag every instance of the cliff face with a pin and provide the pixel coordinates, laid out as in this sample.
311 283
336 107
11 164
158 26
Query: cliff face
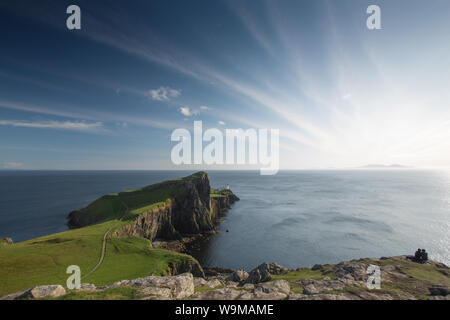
176 208
191 211
155 223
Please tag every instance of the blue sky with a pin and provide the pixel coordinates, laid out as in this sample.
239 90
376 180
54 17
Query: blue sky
109 95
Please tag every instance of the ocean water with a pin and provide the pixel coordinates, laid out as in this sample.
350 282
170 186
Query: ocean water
295 218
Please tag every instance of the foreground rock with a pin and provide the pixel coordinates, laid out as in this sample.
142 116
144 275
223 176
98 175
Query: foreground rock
401 279
51 291
264 272
175 287
6 241
238 276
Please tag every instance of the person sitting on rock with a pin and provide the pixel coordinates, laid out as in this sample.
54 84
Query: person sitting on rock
418 254
424 256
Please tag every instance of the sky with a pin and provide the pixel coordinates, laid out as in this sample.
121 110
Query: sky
109 96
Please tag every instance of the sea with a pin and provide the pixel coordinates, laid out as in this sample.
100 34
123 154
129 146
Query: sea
294 218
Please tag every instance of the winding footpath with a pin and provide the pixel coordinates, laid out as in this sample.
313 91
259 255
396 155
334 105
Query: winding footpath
105 236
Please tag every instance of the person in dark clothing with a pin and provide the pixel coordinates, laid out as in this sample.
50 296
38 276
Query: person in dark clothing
418 254
424 256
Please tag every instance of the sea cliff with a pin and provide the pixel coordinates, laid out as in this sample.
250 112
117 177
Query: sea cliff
167 210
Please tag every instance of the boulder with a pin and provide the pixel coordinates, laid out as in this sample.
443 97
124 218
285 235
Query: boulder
199 282
156 292
320 286
180 286
231 284
219 294
316 267
50 291
213 283
238 276
310 289
248 286
259 295
439 290
88 287
281 286
264 271
356 271
323 297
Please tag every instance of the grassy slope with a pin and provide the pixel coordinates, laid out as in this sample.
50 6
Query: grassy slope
44 260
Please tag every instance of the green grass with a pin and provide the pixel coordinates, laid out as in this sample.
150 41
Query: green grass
205 288
44 260
120 293
138 201
294 276
214 195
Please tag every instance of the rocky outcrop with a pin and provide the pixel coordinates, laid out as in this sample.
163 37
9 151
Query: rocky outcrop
439 290
187 266
238 276
50 291
264 272
170 287
402 279
6 241
152 224
187 209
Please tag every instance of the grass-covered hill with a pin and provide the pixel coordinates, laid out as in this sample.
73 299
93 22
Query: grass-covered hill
132 219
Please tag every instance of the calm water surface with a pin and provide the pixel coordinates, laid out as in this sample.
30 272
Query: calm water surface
296 218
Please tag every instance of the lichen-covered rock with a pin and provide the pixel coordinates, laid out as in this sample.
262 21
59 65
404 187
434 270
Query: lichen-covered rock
219 294
52 291
320 286
264 271
213 283
176 287
88 287
238 276
248 286
281 286
231 284
323 297
354 270
199 282
260 295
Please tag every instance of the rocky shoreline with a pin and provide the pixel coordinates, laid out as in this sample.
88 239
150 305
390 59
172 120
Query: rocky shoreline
401 279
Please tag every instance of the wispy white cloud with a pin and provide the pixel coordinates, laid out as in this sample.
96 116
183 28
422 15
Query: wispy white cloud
164 93
51 124
205 108
186 111
74 112
221 122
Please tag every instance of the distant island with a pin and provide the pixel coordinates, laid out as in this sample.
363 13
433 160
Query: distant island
384 166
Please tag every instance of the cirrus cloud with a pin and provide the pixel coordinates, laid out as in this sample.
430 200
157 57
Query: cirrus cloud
186 111
164 93
51 124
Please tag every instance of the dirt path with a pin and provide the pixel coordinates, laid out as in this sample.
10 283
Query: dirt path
102 255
